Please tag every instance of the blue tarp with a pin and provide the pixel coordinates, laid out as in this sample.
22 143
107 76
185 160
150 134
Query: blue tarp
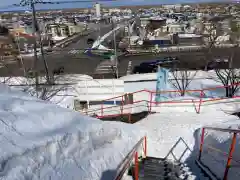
162 83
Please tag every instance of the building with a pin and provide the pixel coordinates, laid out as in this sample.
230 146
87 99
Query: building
189 39
7 43
98 10
64 29
144 22
174 28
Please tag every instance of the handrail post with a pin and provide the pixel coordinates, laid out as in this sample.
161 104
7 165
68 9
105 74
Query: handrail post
150 107
231 150
102 109
201 144
122 105
145 146
200 102
136 166
129 118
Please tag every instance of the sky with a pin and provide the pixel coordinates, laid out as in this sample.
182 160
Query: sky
5 3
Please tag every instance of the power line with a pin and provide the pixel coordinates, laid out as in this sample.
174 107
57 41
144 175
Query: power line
31 4
28 2
7 7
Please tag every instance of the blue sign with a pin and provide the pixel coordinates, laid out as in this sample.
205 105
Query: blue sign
162 82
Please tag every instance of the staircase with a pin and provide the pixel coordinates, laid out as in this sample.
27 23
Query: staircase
152 168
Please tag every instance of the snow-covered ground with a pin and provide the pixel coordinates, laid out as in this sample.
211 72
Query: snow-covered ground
174 130
40 140
72 87
174 133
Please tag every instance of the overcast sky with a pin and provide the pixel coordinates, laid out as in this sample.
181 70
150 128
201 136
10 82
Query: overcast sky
4 3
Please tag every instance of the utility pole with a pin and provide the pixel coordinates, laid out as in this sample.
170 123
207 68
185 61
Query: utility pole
115 49
35 64
37 35
37 32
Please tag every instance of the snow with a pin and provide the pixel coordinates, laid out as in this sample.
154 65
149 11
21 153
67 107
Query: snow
174 133
153 76
189 35
58 38
174 130
40 140
71 87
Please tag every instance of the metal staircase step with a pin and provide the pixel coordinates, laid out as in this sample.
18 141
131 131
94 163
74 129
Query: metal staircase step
151 168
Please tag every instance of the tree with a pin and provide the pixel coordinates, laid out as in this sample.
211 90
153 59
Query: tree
182 79
47 91
9 52
210 41
230 78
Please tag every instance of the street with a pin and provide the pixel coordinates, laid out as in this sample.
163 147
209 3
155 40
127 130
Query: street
78 63
62 57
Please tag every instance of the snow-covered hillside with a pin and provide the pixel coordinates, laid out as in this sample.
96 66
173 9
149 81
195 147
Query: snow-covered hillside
40 140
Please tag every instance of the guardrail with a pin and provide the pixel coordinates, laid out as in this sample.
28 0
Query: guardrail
68 40
132 155
121 109
197 48
229 154
197 102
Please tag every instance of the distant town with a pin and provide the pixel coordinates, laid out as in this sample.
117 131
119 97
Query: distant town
120 93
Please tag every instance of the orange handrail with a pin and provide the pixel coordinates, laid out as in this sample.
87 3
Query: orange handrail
169 91
151 102
231 150
125 164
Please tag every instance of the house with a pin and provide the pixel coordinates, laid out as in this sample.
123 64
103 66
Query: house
64 30
7 43
190 39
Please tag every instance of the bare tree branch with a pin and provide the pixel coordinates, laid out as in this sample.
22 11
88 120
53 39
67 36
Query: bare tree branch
230 78
181 80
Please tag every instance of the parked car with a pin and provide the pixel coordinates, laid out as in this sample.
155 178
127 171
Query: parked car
152 66
90 41
216 64
146 68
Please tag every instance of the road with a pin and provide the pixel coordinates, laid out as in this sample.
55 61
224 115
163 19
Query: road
83 64
62 57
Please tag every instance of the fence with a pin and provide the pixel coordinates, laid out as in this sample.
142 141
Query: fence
132 155
197 98
229 154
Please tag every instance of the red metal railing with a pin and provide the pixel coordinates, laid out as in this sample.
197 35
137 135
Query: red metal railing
132 155
121 109
229 154
197 102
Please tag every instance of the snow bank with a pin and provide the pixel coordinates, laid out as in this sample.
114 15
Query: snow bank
221 141
70 87
40 140
153 76
167 127
175 133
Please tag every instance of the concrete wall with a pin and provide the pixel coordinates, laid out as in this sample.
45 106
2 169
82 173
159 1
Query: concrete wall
100 89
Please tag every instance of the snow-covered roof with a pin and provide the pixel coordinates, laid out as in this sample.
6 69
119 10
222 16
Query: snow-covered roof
40 140
189 35
58 38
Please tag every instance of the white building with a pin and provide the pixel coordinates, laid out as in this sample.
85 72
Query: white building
174 28
98 10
